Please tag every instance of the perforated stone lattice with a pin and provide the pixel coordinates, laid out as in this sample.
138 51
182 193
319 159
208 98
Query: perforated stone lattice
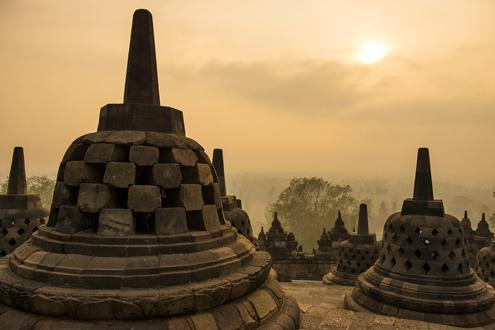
355 259
420 245
14 232
485 265
138 179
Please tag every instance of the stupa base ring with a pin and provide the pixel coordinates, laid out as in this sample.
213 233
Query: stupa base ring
356 301
334 277
267 307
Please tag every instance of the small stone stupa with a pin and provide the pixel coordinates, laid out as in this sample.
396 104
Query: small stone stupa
483 229
485 264
21 213
354 255
423 271
232 206
330 240
277 241
136 235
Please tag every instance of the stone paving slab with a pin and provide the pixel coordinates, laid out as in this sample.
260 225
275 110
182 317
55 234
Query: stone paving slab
322 307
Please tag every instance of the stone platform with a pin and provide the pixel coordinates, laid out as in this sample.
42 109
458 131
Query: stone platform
322 307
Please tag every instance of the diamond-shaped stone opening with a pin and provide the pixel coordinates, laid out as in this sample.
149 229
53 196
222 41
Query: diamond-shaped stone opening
4 232
457 242
3 253
408 264
434 254
449 232
12 242
417 253
401 251
353 256
394 238
42 221
20 231
27 221
460 230
402 229
426 242
451 255
444 268
434 232
463 253
383 258
444 243
460 268
409 239
426 267
393 262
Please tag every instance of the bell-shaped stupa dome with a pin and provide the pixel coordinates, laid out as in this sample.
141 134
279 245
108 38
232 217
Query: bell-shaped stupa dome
136 233
423 271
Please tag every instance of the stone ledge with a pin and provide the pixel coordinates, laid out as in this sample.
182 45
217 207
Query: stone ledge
242 313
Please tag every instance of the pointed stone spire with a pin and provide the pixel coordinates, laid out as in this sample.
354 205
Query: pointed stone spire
141 83
423 202
363 220
465 214
218 165
141 110
17 178
483 217
339 220
423 188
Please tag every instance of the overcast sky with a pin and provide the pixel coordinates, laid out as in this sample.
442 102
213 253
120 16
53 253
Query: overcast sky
275 83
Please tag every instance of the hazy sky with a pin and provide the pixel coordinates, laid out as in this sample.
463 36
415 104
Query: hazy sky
275 83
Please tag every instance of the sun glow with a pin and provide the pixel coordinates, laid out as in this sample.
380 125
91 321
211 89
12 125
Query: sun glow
372 52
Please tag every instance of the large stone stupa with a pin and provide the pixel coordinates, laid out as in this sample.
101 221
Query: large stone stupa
21 213
354 255
423 271
136 235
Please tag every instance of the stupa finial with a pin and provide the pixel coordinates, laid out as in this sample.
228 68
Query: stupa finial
141 83
465 214
218 165
423 187
17 178
363 220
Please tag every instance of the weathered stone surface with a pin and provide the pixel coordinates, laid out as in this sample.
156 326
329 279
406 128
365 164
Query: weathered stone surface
143 198
191 197
169 221
144 155
167 175
62 195
93 197
210 217
184 157
76 172
70 220
120 174
104 153
201 173
116 222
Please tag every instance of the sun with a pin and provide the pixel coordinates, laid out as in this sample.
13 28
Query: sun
372 52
